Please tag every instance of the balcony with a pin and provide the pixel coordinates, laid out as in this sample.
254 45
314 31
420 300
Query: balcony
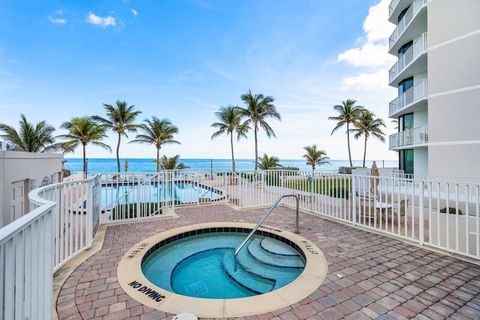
409 138
409 19
411 100
413 61
395 7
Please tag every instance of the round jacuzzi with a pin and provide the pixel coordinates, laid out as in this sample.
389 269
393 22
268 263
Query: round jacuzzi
194 269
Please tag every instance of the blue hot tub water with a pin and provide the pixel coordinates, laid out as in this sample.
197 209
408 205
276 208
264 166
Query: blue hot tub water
204 266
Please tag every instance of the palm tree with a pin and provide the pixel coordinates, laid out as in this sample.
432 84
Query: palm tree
315 156
30 137
172 163
84 131
348 113
230 123
157 132
121 119
258 109
368 125
267 162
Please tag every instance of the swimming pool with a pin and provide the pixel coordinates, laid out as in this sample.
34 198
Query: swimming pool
194 268
183 191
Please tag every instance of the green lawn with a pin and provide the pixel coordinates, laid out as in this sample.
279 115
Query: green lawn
333 187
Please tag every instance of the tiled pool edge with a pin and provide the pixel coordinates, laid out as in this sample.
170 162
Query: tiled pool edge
135 284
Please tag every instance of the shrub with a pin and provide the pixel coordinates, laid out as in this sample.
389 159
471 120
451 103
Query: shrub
339 192
290 168
451 211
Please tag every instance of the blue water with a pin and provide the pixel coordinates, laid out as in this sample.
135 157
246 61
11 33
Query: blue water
98 165
204 266
184 192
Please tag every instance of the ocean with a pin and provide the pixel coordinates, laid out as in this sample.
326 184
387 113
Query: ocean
97 165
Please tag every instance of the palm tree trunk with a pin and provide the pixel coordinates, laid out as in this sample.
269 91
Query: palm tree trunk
256 148
158 159
348 143
233 156
365 151
84 160
118 153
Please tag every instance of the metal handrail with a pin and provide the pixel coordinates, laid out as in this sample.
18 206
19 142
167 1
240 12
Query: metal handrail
265 216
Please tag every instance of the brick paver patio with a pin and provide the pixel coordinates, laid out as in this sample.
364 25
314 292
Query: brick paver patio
369 276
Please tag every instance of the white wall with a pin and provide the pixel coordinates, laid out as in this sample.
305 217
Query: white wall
24 166
420 118
454 87
420 161
419 77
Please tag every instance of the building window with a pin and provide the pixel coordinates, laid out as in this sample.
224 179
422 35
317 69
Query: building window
401 53
406 161
405 122
404 85
402 14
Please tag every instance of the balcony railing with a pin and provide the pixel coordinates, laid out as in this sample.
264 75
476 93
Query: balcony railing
409 137
412 95
392 6
418 48
407 18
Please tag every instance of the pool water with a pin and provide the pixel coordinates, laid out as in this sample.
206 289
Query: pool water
204 266
185 192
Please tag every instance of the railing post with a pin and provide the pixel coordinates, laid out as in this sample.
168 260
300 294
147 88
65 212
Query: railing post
173 190
312 185
354 199
49 260
90 212
420 214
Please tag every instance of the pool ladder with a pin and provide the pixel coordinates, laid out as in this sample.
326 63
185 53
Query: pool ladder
267 213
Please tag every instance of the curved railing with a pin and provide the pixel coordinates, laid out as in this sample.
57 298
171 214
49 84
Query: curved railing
33 247
441 213
403 24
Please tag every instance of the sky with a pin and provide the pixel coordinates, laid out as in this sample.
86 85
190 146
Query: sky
184 59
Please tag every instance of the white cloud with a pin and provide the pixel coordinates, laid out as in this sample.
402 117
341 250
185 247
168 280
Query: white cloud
58 21
134 12
368 55
368 81
56 17
373 53
376 25
104 22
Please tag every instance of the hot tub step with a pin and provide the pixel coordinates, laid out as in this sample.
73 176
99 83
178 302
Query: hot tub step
282 276
267 257
243 277
278 247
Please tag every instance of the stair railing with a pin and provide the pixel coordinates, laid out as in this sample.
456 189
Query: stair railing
267 213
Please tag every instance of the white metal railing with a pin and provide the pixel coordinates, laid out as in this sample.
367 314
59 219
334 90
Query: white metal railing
439 212
145 195
418 92
393 5
418 48
409 137
33 247
405 21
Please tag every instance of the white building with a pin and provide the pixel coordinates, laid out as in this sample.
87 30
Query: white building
21 172
437 43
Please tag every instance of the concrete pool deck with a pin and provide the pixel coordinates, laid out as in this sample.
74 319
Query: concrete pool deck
369 276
